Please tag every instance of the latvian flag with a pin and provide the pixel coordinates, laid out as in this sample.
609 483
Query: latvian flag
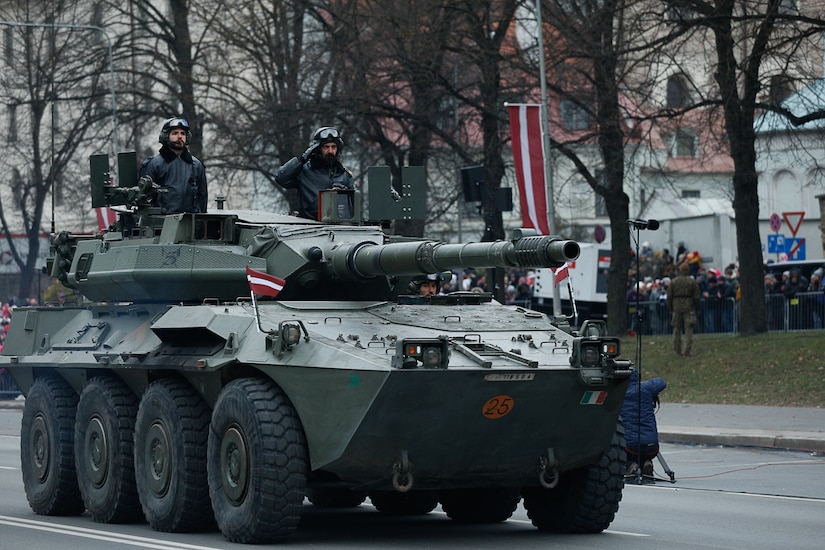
528 160
264 283
105 217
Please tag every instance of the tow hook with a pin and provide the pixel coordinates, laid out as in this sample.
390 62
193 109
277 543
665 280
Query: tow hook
548 473
402 478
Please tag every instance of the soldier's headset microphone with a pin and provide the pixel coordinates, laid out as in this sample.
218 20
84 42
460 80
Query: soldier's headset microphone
639 225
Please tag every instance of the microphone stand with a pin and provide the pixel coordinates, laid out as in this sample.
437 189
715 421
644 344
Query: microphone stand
639 324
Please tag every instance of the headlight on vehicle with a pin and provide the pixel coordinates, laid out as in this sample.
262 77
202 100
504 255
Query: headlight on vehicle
428 353
590 355
590 352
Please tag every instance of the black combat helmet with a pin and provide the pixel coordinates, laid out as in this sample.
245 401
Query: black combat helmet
327 134
415 283
174 122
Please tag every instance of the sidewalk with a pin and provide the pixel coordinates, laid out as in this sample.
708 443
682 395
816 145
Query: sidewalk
794 428
797 428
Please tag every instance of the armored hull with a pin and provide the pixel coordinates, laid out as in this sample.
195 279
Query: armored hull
169 387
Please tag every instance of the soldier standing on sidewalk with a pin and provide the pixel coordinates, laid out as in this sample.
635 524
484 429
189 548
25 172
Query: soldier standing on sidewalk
683 301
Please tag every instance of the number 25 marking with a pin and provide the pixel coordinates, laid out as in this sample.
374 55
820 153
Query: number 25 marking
497 406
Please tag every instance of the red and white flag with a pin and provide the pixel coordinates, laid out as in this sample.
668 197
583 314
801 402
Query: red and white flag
528 158
264 283
561 273
105 217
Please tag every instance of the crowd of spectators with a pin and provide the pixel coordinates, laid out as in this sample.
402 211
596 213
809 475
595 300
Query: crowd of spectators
795 299
793 302
518 285
4 324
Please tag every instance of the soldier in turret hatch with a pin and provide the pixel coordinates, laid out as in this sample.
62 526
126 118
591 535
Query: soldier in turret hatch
425 285
317 169
181 175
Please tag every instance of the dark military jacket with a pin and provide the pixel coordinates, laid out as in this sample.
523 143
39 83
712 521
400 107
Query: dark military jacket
183 178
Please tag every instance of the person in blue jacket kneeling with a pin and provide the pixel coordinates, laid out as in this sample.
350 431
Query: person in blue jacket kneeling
639 420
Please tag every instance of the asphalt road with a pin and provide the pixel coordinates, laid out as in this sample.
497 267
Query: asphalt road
723 497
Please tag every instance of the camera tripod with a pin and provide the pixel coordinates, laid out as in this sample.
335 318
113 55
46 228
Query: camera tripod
638 477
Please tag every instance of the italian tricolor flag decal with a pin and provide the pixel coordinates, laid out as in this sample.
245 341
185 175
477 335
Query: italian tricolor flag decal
593 397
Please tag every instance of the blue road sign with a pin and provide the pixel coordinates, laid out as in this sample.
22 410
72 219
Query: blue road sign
776 244
795 249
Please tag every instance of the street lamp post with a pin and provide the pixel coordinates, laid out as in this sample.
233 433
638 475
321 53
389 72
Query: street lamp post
548 162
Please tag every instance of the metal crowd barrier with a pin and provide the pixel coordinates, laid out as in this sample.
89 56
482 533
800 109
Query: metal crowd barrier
805 311
8 389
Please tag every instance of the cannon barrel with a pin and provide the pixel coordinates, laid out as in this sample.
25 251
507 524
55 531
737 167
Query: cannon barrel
358 261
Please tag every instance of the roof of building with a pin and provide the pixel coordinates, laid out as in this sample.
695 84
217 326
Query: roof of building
668 205
806 101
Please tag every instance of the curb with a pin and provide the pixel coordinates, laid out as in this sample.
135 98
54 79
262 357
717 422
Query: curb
790 440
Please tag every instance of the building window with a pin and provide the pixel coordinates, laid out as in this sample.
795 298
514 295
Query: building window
601 206
573 116
788 7
678 15
11 131
683 143
779 89
8 39
678 94
691 194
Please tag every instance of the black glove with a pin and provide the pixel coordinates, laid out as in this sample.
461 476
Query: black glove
308 153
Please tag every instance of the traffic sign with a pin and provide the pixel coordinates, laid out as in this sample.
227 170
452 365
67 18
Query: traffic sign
776 223
776 244
789 248
795 249
798 216
599 233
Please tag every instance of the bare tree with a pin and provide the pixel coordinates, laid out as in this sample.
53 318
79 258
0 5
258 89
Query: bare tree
749 37
588 57
269 85
162 62
56 82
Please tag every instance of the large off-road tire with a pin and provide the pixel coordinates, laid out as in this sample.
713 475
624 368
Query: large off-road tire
47 448
479 505
412 503
585 500
171 434
104 450
258 462
336 498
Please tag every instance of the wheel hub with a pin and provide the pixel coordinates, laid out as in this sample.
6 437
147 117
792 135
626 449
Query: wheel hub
234 465
97 452
156 453
39 445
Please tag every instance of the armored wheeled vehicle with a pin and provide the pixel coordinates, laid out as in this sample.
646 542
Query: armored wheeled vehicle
172 392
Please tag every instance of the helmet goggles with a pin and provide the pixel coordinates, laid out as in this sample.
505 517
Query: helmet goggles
177 123
327 133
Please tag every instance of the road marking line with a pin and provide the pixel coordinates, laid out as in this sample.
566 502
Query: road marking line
157 544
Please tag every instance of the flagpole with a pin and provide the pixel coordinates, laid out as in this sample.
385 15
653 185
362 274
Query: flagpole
572 301
257 314
548 163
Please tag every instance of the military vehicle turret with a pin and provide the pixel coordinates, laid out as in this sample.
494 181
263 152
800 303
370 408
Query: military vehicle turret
167 393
